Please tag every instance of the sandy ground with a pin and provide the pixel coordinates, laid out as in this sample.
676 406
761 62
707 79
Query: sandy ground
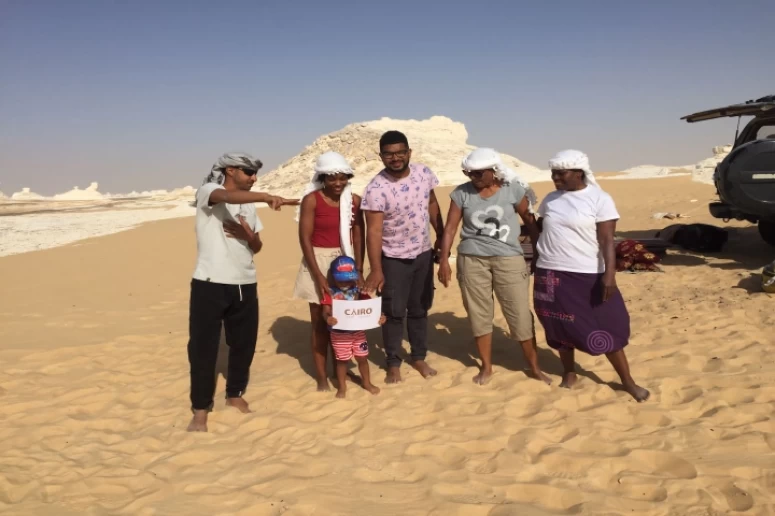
94 394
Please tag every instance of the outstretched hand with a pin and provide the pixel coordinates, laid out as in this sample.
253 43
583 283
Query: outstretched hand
275 202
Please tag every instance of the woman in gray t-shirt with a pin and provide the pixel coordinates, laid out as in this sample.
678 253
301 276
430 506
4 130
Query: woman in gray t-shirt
489 257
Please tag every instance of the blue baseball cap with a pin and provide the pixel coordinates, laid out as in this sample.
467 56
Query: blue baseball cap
343 269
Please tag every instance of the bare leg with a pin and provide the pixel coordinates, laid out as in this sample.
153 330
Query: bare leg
198 422
363 368
239 404
530 350
341 378
484 345
393 375
569 369
321 340
619 360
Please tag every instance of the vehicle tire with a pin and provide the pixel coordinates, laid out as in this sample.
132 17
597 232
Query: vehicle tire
767 231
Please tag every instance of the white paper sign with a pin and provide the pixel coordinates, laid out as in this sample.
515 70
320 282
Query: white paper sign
357 315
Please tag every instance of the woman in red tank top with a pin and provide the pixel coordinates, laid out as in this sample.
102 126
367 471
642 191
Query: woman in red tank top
320 237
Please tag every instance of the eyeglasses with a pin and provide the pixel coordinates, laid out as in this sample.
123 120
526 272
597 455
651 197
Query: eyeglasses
476 174
390 155
249 172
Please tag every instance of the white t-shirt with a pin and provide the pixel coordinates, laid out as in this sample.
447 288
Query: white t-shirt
568 241
221 259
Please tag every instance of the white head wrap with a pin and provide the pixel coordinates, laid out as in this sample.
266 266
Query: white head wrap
484 158
573 160
334 163
230 160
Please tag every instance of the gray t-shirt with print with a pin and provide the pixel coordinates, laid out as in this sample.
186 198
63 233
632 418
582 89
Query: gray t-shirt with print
490 226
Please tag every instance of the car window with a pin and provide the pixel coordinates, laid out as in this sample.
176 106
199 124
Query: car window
766 132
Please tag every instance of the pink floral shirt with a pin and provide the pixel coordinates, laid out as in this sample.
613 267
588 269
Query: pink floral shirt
404 202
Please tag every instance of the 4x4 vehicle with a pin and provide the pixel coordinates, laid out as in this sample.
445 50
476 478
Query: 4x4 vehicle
745 179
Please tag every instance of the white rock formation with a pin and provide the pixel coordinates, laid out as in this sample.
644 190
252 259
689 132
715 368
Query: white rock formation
3 196
651 172
186 193
439 142
26 195
703 171
76 194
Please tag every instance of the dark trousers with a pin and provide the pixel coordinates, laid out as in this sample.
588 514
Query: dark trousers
407 294
236 306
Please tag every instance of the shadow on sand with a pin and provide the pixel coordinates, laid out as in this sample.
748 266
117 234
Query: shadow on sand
450 336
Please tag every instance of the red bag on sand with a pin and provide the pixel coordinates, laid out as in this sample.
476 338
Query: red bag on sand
632 255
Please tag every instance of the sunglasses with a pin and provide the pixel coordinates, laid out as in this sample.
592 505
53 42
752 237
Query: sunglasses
475 174
249 172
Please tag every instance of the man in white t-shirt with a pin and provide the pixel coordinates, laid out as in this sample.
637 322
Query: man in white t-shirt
223 287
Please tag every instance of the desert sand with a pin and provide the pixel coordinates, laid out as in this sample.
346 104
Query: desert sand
94 393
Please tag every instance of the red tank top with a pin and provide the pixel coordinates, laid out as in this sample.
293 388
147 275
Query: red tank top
326 231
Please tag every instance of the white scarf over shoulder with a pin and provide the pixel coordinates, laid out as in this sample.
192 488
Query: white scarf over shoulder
485 158
335 163
573 160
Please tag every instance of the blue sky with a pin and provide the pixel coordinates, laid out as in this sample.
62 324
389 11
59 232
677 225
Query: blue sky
140 95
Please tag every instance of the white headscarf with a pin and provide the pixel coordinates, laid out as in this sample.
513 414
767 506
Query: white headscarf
573 160
334 163
230 160
484 158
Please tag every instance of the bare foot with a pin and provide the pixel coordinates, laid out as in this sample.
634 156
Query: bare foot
239 404
483 378
198 422
423 368
323 385
371 388
393 375
568 380
341 393
639 393
539 375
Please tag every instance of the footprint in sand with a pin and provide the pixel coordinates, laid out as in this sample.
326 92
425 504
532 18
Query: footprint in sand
411 421
466 407
463 494
548 497
524 406
642 492
449 456
660 463
673 393
558 463
737 499
483 467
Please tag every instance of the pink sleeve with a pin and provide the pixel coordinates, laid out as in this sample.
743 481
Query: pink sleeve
433 180
373 198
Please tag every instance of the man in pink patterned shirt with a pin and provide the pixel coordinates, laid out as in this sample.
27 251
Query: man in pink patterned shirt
399 205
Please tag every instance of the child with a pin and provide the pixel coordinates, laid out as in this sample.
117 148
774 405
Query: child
343 280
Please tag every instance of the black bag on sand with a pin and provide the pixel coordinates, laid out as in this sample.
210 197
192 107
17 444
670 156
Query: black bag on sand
695 237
